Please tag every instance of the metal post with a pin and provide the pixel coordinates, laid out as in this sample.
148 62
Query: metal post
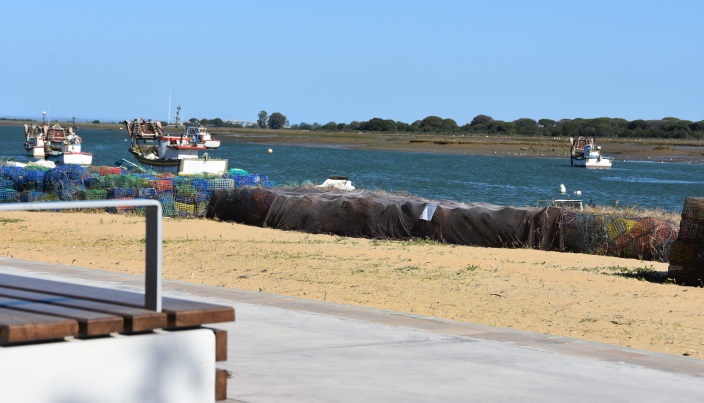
152 296
152 276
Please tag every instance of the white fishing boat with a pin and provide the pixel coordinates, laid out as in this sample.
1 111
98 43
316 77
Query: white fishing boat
34 140
152 148
585 153
63 146
199 135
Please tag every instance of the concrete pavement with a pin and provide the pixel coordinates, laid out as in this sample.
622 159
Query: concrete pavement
285 349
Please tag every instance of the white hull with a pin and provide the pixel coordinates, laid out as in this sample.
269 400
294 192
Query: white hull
592 162
36 152
72 158
202 165
212 144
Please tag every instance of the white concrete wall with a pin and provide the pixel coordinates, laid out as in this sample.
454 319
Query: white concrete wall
158 367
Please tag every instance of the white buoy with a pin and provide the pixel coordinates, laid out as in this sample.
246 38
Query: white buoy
563 189
579 192
270 151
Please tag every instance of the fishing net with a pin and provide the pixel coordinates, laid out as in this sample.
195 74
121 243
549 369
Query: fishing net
105 171
687 252
96 194
8 196
31 196
366 214
648 239
693 208
7 183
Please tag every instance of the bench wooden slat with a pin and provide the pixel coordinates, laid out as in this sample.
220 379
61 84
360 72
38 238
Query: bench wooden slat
134 319
181 313
185 313
90 323
19 327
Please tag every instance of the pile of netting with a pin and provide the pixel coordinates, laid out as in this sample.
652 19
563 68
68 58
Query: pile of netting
371 215
645 238
687 256
180 196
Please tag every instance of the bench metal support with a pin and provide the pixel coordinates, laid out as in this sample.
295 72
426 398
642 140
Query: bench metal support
152 283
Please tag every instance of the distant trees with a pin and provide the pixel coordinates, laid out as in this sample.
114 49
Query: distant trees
481 120
448 125
276 120
330 127
431 124
668 127
378 125
526 126
262 118
546 123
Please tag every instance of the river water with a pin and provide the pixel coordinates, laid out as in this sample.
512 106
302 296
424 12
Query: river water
521 181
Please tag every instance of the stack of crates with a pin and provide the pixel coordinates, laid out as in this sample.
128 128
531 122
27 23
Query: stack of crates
179 195
8 193
687 252
184 199
164 189
31 196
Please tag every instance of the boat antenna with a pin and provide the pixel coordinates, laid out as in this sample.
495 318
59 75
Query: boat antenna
168 115
178 115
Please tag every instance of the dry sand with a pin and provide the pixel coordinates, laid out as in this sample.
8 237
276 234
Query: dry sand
554 293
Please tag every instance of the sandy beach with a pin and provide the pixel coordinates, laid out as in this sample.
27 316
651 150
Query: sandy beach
564 294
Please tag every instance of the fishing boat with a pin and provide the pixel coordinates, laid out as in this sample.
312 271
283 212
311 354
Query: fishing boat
585 153
151 147
200 135
34 140
63 146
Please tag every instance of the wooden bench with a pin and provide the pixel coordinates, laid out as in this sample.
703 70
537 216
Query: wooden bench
90 343
34 310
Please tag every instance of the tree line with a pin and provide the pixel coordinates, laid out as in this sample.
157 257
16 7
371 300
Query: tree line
668 127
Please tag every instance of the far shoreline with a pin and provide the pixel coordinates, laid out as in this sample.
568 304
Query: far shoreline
620 149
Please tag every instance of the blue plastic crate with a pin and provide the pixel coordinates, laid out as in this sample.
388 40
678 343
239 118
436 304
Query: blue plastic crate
8 195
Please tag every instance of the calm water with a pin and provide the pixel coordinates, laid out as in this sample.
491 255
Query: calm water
497 180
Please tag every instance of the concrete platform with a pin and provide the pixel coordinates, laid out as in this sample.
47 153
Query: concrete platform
296 350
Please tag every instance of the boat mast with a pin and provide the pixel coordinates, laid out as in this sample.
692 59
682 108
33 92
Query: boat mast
178 115
168 114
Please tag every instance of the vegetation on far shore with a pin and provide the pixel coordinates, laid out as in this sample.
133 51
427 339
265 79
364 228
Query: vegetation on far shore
665 128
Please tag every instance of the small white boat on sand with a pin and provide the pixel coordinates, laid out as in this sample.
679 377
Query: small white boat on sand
585 153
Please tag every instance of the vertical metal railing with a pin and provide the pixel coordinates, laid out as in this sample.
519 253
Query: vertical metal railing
152 280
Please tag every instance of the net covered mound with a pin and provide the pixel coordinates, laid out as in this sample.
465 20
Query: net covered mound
687 256
644 238
370 215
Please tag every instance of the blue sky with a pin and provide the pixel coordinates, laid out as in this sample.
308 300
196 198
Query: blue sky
327 60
